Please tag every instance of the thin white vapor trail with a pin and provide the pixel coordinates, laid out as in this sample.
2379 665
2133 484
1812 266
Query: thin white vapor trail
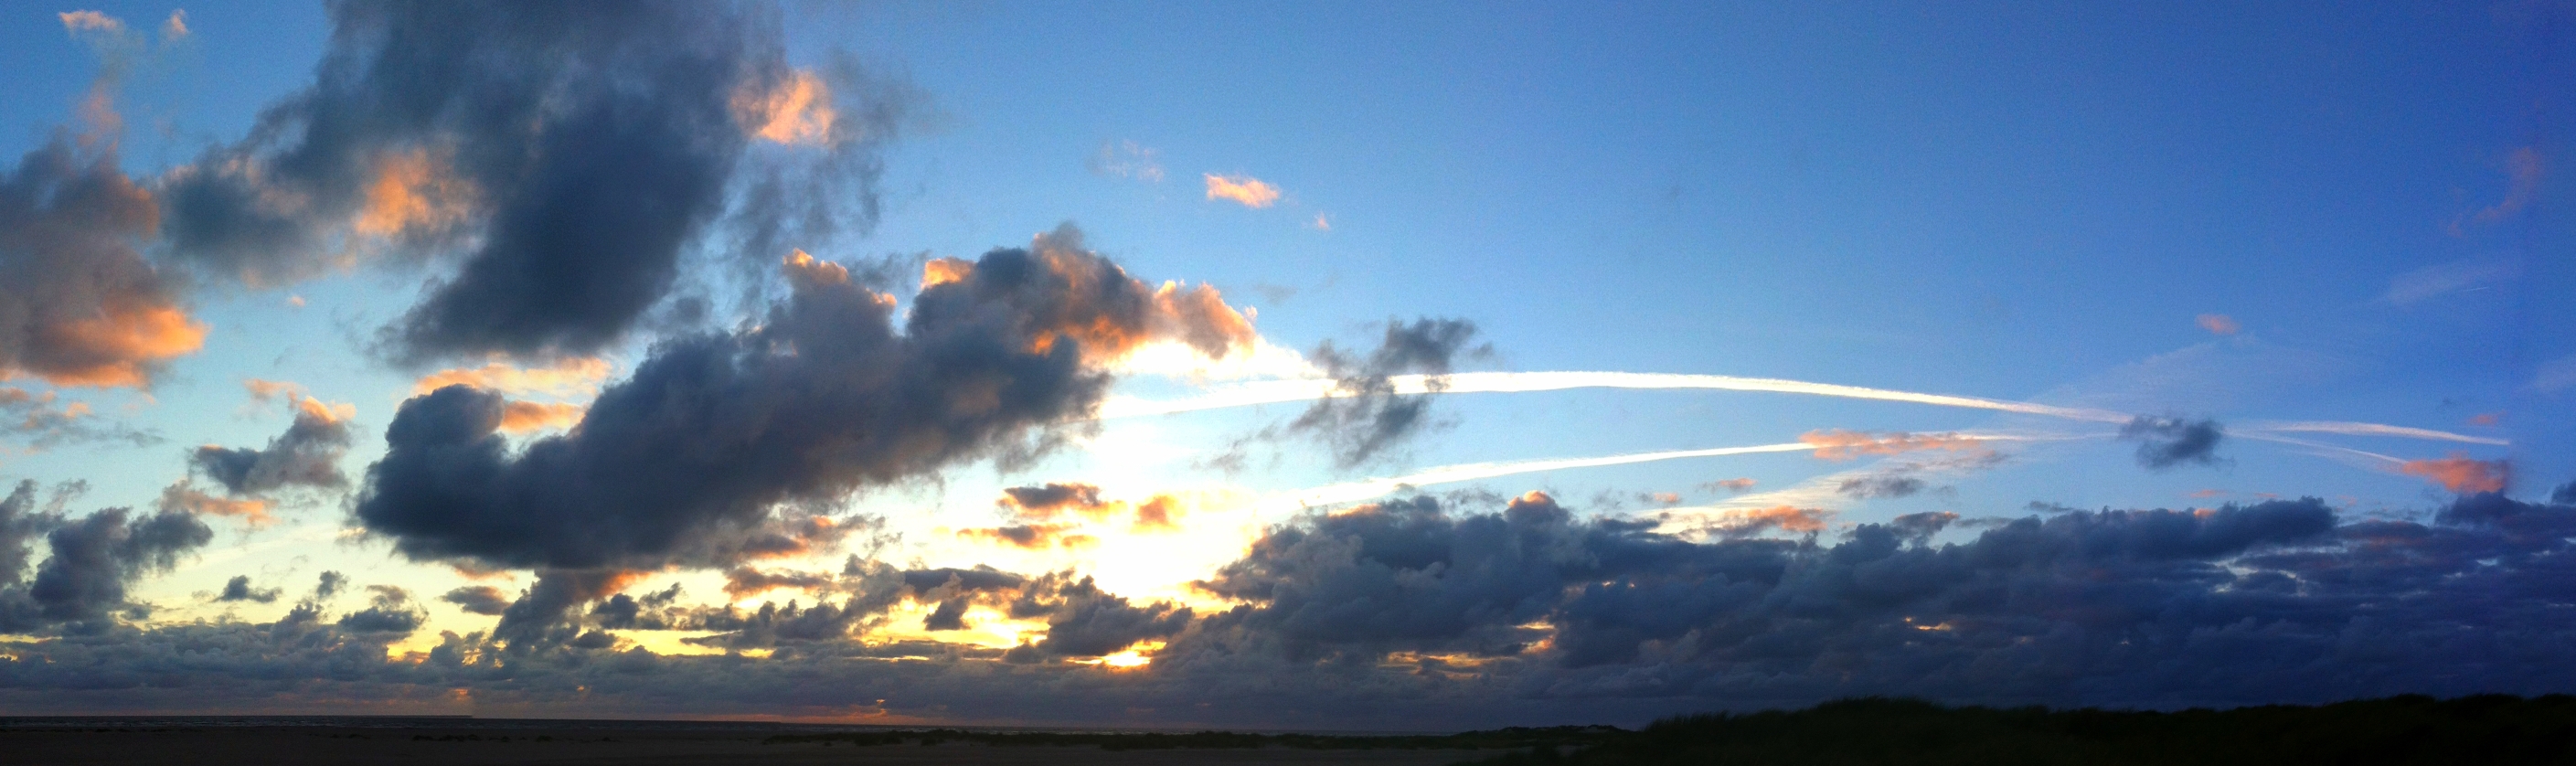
1348 492
1279 391
2373 429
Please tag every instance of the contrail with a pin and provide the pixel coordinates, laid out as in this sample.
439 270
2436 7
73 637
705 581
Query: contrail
1277 391
2373 429
1280 391
1333 494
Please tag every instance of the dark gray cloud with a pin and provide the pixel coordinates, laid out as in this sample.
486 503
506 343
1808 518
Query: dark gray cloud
1531 613
1366 416
390 610
328 585
567 153
307 455
2165 442
89 561
79 305
1047 501
239 589
700 457
2564 495
478 599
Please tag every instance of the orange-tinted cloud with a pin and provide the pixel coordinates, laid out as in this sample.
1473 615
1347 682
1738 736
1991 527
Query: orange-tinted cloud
90 21
2219 324
413 193
522 417
1251 192
1786 518
578 376
1738 484
1839 444
2459 473
2486 418
121 346
1110 329
1162 513
797 110
264 391
183 497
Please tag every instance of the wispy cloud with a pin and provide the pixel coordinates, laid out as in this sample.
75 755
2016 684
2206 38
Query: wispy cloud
2219 324
2441 279
1252 192
1126 159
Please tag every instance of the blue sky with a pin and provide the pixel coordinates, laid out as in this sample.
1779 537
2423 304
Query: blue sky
2243 221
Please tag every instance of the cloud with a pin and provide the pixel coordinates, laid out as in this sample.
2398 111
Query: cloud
478 599
2523 169
2434 281
90 21
1250 191
1365 416
2458 473
698 457
1752 522
2554 375
795 109
79 305
328 585
1162 513
90 561
1030 536
522 417
2165 442
2219 324
1524 612
1888 486
1048 501
239 589
1735 485
1839 444
307 455
187 498
1321 223
745 582
563 186
36 418
389 611
1126 159
571 377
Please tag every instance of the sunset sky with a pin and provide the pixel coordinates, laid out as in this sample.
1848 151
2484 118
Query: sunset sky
1281 365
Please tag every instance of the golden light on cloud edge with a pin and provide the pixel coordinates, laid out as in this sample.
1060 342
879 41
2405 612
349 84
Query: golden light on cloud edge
578 376
412 192
796 111
1249 191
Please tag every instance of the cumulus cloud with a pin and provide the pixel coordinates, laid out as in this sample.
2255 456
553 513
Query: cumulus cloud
1364 416
79 305
1048 501
563 155
389 611
307 455
329 584
239 589
2165 442
1461 615
685 461
478 599
89 562
1245 190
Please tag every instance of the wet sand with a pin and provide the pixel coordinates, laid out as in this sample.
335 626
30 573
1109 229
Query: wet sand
300 745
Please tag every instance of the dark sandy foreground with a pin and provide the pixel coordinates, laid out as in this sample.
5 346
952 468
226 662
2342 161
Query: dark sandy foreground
294 746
